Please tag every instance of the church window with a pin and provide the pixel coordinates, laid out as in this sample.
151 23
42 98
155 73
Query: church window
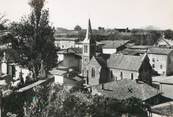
131 76
85 48
121 75
93 72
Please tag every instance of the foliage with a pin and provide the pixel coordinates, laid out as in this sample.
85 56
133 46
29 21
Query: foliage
3 21
145 37
168 34
77 28
81 104
35 39
53 100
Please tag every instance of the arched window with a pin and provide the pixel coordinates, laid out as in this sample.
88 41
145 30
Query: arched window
131 76
121 75
93 72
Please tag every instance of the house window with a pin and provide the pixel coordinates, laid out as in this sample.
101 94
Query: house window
131 76
13 71
153 66
121 75
153 60
93 72
85 48
161 66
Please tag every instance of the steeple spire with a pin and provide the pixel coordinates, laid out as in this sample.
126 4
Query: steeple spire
88 32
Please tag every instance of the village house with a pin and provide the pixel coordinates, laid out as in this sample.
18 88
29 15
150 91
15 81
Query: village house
110 47
161 60
65 38
163 42
126 88
70 58
162 110
10 67
136 49
65 42
66 78
130 67
165 85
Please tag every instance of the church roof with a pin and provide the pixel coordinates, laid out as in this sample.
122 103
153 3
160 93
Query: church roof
125 62
99 60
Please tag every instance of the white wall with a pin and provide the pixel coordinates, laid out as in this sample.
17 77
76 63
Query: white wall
126 74
4 68
159 60
59 79
109 51
157 115
65 44
60 57
24 71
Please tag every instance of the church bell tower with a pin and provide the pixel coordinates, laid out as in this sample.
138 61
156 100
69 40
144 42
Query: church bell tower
89 48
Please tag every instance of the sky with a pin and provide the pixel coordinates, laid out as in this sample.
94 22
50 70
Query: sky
105 13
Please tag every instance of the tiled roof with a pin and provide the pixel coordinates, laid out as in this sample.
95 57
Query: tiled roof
65 39
165 109
126 88
166 85
133 51
98 60
125 62
114 44
77 51
58 72
101 61
163 51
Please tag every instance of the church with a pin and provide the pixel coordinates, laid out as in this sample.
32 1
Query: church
94 68
98 69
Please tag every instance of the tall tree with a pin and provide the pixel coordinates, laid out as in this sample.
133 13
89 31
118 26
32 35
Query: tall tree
36 39
3 21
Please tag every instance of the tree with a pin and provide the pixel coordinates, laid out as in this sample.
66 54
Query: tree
35 39
77 28
168 34
3 21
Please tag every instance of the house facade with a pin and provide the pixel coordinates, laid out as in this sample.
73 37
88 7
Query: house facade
161 60
110 47
130 67
71 58
163 42
65 42
11 68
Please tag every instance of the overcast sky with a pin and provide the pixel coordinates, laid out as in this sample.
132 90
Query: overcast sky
107 13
